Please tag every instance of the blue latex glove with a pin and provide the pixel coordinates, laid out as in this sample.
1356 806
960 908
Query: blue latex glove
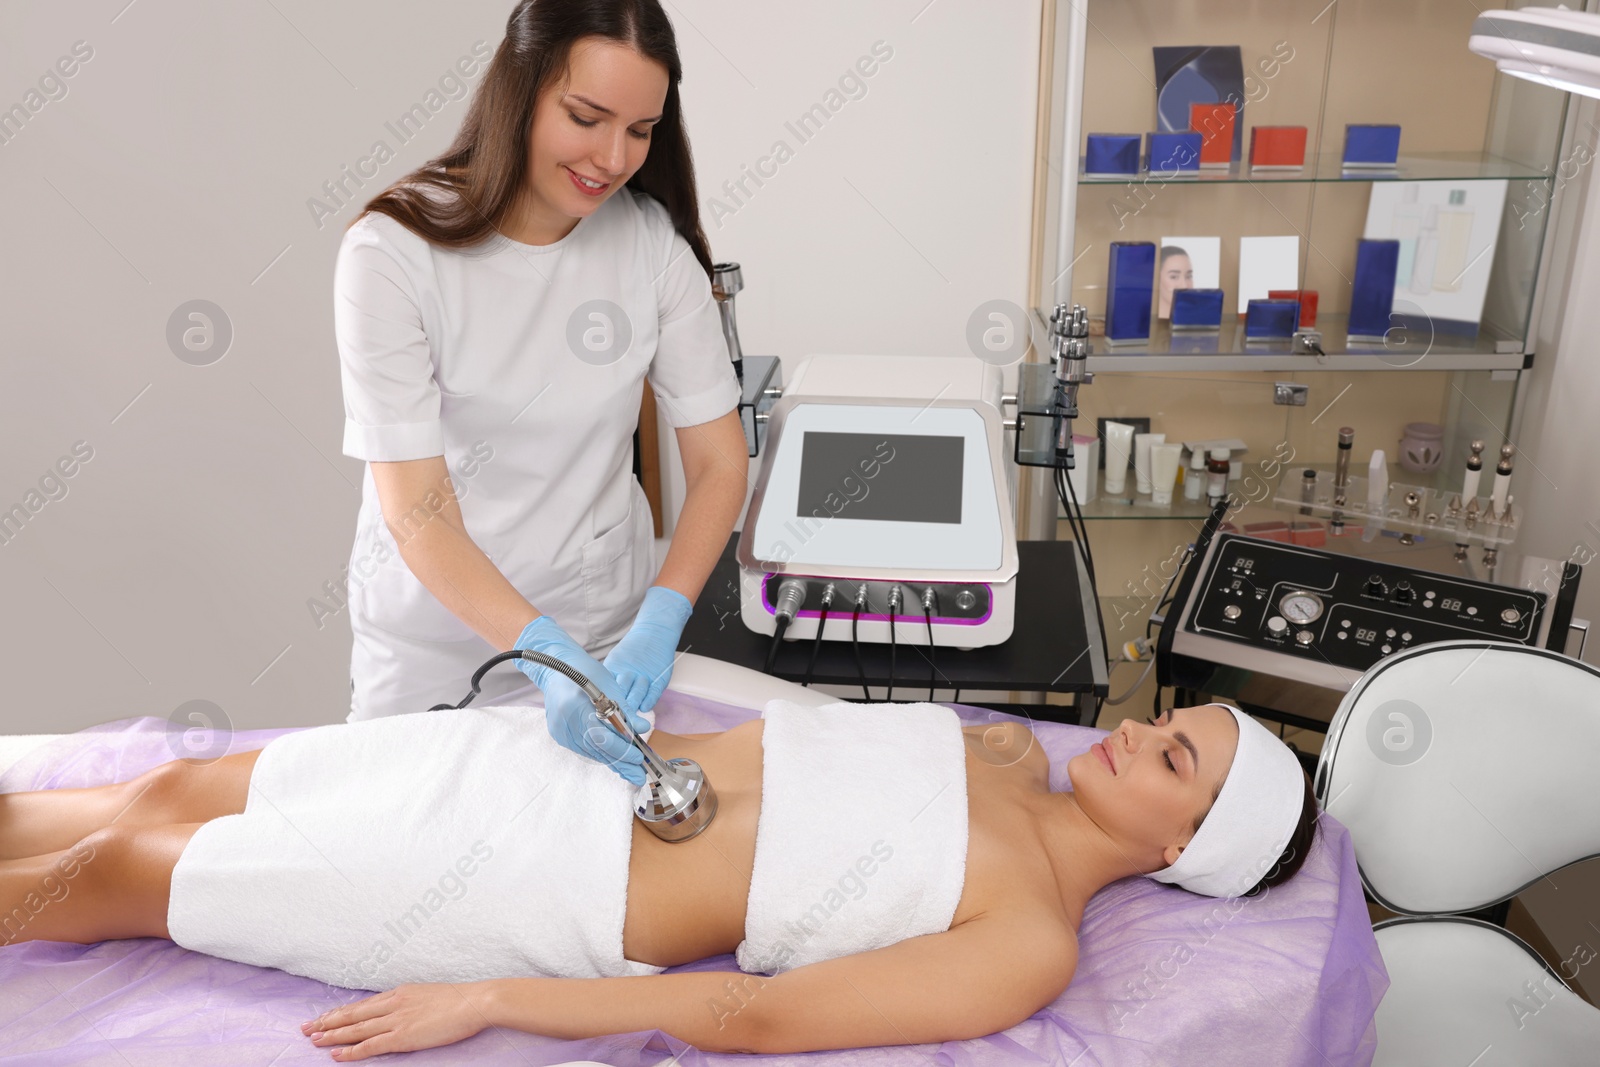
568 711
642 660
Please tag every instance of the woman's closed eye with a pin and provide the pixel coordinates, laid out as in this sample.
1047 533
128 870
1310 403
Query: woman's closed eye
1165 754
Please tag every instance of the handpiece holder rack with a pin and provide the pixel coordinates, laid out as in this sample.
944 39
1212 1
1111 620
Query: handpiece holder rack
676 801
760 377
1047 393
1408 509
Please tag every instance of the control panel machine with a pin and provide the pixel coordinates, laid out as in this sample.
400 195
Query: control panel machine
882 511
1249 606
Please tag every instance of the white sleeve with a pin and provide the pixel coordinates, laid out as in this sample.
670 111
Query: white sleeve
391 400
691 373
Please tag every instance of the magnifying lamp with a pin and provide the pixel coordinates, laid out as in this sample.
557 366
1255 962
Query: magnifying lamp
1552 46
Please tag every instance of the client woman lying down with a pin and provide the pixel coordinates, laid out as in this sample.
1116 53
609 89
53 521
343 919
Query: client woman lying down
882 874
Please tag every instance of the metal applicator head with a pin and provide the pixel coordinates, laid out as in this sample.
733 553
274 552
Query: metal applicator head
676 801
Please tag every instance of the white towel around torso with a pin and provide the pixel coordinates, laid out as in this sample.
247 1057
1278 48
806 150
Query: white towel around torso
862 837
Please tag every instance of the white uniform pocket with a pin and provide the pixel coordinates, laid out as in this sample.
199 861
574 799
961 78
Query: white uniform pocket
617 568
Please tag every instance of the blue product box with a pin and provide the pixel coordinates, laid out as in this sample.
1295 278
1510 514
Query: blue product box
1173 153
1196 309
1271 320
1372 292
1371 146
1130 288
1112 154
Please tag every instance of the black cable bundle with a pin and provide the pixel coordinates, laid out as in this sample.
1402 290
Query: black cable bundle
933 671
1075 520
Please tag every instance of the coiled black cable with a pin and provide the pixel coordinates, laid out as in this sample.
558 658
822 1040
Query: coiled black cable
572 674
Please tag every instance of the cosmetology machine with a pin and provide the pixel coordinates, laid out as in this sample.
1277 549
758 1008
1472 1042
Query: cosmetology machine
883 497
1284 625
883 508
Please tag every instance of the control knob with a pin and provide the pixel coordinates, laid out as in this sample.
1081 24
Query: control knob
1305 637
1277 626
1403 593
1375 586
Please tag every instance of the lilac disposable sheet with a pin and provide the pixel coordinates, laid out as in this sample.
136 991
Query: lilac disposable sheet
1293 977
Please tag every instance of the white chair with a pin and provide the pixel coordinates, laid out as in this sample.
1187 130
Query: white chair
1465 771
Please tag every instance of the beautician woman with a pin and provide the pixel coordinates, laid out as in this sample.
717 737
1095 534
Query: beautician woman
497 313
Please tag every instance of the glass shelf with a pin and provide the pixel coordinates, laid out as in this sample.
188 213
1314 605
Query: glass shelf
1435 167
1132 505
1407 348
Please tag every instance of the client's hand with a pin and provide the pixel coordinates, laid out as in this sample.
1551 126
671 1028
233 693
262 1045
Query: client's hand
642 660
406 1018
568 711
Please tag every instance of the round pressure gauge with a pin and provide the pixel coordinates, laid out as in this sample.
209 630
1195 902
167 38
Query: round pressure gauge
1301 607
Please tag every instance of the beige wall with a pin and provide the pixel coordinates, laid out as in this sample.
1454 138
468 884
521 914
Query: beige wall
180 563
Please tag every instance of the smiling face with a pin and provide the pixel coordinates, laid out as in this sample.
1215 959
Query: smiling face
1145 784
594 123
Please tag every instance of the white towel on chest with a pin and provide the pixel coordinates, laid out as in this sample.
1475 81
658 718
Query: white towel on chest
862 837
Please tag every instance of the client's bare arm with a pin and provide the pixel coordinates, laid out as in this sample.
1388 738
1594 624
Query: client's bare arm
985 975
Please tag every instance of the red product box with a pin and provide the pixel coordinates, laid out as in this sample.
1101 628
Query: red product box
1277 147
1307 298
1309 534
1268 531
1215 123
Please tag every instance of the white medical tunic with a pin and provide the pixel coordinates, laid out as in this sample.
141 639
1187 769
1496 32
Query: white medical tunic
500 359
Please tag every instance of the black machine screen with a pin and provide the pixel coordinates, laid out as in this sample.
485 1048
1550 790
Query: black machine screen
882 477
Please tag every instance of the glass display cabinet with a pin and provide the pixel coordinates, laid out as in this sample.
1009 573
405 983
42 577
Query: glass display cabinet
1471 141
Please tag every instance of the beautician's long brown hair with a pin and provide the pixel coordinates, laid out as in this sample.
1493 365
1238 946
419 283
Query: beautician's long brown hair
483 171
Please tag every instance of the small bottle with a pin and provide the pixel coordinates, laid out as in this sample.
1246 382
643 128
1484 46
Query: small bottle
1195 477
1217 474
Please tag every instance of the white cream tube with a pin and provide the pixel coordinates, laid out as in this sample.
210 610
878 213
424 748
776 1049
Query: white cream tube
1141 458
1119 446
1163 471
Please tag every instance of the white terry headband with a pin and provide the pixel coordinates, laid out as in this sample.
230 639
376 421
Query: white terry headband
1251 821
